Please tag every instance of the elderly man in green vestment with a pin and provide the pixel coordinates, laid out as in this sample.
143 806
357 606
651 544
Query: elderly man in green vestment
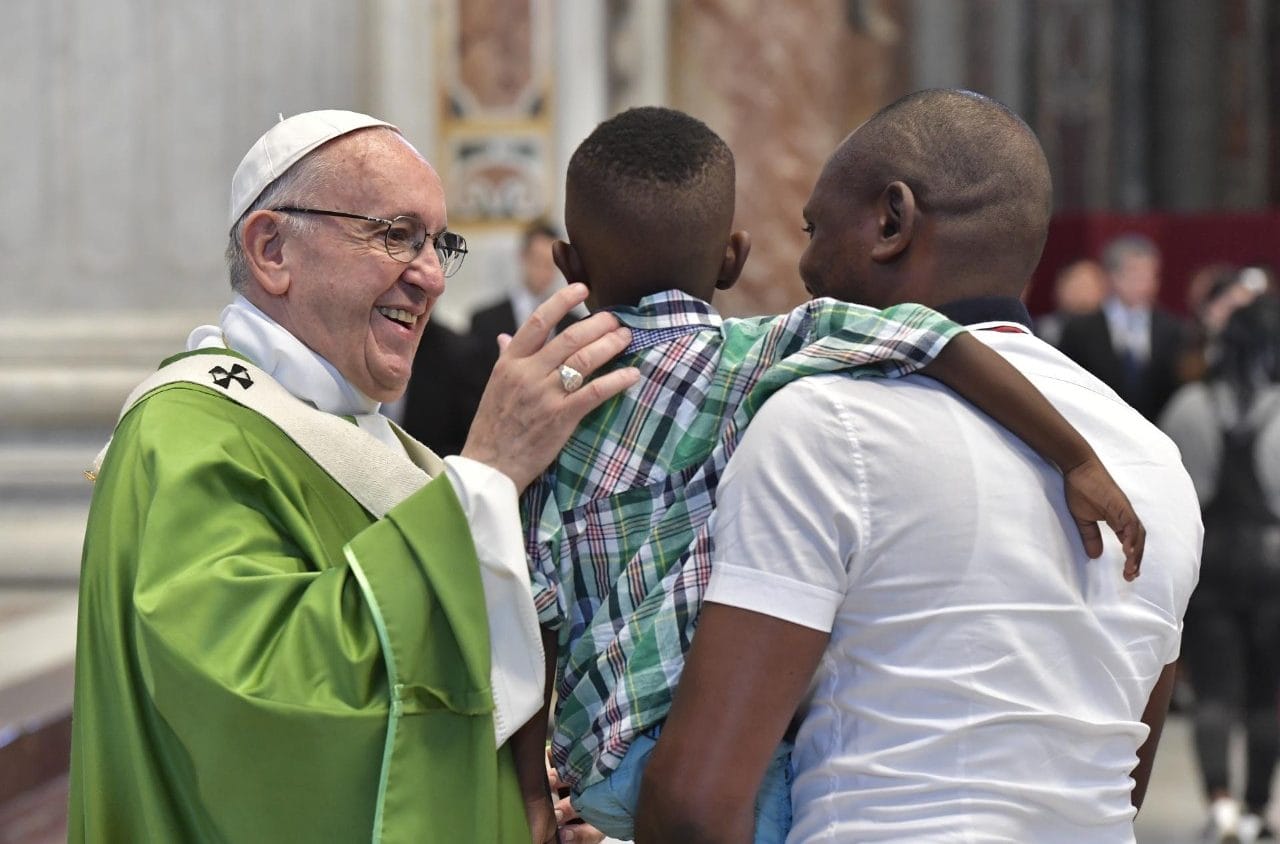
296 623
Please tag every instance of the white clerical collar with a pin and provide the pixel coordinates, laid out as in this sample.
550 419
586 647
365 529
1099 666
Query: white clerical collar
245 329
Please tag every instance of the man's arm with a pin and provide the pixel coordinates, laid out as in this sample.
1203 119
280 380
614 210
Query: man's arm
743 680
991 383
1153 717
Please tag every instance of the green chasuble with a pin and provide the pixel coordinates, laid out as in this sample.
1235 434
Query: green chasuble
259 659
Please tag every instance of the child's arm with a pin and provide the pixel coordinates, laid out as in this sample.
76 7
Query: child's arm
996 387
529 750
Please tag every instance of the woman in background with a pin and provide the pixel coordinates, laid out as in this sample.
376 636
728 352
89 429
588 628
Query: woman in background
1228 429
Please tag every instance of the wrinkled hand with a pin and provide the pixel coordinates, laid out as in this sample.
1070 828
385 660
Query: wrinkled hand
1093 496
576 833
525 415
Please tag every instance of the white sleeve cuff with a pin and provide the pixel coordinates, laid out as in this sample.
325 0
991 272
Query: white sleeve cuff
517 672
772 594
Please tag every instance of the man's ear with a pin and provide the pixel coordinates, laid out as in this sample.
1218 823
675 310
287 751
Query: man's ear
735 258
896 220
263 241
569 262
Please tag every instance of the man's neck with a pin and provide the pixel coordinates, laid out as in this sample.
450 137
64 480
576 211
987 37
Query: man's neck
986 309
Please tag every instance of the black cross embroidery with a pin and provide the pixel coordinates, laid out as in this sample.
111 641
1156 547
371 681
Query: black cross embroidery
238 373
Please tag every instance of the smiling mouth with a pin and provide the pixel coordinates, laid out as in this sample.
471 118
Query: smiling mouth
399 315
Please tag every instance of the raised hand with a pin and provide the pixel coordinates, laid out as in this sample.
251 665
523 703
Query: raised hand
528 412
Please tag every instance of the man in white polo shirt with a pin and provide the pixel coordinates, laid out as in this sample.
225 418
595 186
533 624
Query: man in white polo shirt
903 572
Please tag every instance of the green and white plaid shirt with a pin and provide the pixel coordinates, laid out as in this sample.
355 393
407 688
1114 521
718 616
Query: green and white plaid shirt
617 529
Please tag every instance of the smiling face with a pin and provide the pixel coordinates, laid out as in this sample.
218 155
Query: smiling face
346 298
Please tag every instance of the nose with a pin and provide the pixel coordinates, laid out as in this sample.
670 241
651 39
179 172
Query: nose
424 272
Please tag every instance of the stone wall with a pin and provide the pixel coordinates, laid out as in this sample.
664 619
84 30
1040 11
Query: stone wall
782 83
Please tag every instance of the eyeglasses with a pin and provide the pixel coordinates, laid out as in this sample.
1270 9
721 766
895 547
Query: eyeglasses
405 236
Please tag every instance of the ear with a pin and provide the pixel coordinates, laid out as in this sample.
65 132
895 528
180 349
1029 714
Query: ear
569 262
735 258
896 220
264 246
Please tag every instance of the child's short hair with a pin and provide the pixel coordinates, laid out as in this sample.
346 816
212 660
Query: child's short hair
656 150
656 186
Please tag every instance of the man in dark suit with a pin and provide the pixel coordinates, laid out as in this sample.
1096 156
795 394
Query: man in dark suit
449 374
1130 343
538 280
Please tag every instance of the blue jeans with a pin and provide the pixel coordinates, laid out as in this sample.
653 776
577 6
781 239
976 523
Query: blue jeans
610 805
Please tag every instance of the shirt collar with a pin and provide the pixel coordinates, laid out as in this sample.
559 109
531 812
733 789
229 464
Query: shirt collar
1119 312
246 329
987 309
667 309
662 317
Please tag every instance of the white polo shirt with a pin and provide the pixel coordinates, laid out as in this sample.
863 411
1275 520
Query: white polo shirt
985 680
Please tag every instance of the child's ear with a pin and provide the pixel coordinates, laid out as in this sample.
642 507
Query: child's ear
896 216
735 258
569 262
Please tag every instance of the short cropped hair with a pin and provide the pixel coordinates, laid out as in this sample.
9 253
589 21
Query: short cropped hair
651 193
967 158
655 160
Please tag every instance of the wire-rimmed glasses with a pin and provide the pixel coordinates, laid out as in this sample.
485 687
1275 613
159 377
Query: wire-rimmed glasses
405 236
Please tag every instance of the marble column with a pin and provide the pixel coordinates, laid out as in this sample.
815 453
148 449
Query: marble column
403 77
1073 95
1130 116
639 53
1187 103
582 79
1245 95
782 83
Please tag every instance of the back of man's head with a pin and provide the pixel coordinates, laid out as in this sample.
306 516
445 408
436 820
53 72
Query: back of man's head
979 177
649 199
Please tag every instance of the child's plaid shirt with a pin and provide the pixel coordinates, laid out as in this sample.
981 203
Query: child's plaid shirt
617 529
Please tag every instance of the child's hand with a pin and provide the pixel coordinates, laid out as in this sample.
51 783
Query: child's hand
572 829
1093 496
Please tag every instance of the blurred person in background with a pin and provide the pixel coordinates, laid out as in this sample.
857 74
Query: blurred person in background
539 279
1213 295
1228 430
449 374
1079 288
1132 344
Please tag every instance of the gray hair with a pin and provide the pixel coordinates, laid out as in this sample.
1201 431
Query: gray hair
1125 246
297 186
